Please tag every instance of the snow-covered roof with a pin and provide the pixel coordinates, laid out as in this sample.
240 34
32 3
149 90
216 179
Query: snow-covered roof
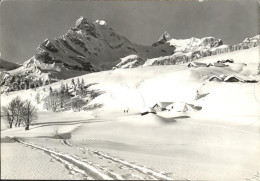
162 104
215 76
182 106
219 64
197 64
148 109
233 76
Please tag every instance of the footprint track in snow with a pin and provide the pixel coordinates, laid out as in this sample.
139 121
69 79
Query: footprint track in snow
82 167
73 163
149 172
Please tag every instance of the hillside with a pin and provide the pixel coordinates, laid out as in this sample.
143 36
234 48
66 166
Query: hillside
116 82
106 142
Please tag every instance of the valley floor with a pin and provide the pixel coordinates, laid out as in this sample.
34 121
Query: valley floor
165 146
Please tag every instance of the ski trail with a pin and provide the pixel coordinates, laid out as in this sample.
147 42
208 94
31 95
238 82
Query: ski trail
141 169
146 171
113 175
72 162
108 172
72 169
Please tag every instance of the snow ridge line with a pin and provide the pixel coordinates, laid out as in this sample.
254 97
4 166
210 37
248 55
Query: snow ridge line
219 126
141 169
90 170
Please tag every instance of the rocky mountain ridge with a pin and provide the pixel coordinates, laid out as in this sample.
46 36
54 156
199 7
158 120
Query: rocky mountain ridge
94 46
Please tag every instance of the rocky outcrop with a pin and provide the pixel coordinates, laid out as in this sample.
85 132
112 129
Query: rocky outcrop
130 61
163 39
92 46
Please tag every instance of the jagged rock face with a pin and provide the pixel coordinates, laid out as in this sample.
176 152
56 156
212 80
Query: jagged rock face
187 50
195 44
87 47
252 42
194 48
247 43
163 39
92 47
170 60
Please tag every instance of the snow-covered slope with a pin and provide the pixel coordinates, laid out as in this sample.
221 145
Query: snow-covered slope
186 145
194 44
195 48
130 61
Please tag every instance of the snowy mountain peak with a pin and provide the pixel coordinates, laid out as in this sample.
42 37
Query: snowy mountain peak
254 39
101 22
165 36
82 23
87 47
163 39
194 44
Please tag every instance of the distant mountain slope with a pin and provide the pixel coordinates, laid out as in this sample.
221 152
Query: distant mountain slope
130 61
87 47
91 46
191 49
94 46
5 65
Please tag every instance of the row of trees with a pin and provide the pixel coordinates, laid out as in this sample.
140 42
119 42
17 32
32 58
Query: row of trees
19 112
66 96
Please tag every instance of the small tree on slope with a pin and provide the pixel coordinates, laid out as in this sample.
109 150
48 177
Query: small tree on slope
29 113
6 115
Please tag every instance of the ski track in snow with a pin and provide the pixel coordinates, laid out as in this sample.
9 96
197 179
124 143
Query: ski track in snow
88 170
72 162
149 172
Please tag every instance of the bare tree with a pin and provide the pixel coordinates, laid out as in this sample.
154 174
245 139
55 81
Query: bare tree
50 90
77 104
73 82
78 82
51 102
29 113
6 114
63 96
18 111
15 107
82 82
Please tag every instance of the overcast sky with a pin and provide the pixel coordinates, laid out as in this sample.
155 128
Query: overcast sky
26 23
